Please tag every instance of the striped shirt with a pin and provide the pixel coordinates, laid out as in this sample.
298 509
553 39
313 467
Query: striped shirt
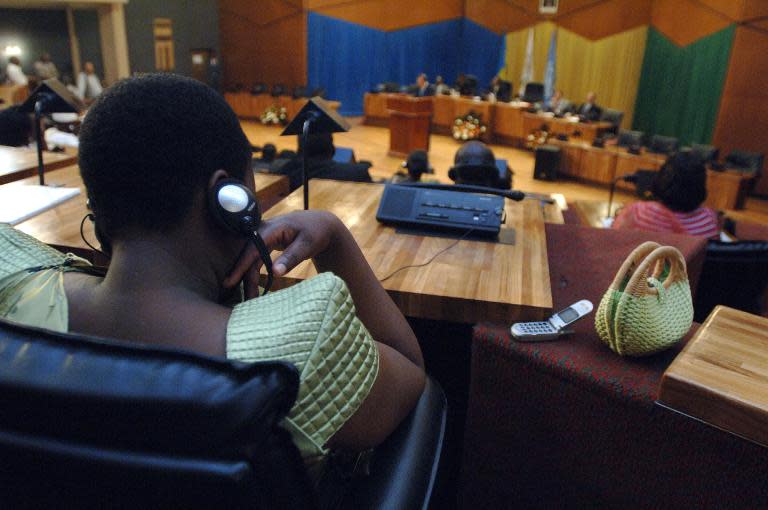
655 217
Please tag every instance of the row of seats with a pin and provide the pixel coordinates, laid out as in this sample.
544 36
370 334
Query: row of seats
737 159
280 89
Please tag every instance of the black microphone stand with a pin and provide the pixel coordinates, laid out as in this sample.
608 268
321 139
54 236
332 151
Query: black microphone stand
39 108
311 117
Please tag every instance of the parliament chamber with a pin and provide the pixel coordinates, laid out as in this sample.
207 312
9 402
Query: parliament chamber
152 358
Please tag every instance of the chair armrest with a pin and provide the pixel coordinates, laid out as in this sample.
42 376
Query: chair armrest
404 468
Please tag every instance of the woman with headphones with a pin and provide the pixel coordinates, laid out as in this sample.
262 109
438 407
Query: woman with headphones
167 170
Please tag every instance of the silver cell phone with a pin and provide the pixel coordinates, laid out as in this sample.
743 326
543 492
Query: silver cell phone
553 327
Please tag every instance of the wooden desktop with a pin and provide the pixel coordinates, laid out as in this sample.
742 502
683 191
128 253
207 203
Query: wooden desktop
471 282
20 162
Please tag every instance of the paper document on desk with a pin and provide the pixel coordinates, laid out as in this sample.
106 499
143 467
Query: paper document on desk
19 203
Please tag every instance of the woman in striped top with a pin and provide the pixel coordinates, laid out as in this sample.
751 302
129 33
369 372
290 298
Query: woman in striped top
681 188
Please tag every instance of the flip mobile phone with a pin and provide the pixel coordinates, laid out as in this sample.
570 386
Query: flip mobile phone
552 328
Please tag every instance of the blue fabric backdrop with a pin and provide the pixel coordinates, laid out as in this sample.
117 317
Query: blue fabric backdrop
350 59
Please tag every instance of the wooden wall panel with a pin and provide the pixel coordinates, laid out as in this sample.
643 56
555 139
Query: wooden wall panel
607 18
734 9
743 119
390 14
499 16
263 41
686 21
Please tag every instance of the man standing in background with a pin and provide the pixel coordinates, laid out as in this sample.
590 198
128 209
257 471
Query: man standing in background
15 74
88 84
45 68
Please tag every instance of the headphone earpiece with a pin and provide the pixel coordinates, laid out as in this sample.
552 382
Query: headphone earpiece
235 207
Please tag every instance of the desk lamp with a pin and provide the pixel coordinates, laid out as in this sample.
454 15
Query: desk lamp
51 96
314 117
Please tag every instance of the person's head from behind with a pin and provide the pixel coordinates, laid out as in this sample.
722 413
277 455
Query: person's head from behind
474 163
268 152
319 146
15 127
89 68
417 164
151 149
14 60
681 184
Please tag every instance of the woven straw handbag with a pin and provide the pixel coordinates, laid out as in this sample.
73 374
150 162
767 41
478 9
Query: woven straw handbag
648 307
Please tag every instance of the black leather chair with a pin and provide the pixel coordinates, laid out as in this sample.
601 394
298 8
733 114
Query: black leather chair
534 92
97 423
751 162
663 144
735 275
705 153
629 138
259 88
279 89
614 117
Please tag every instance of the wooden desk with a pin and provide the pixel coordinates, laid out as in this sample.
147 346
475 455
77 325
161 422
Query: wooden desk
410 119
20 162
585 131
249 106
60 226
727 189
592 212
507 126
721 377
473 281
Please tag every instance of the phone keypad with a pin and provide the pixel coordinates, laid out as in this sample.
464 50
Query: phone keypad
539 327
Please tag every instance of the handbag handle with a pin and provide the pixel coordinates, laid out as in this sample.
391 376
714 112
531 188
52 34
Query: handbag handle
638 284
631 262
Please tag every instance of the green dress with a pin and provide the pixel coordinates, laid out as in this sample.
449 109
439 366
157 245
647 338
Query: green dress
312 325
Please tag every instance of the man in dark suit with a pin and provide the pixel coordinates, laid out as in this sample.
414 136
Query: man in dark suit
501 89
589 111
423 87
320 163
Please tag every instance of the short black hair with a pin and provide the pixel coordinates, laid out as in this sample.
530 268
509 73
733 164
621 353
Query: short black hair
149 144
319 146
15 127
681 184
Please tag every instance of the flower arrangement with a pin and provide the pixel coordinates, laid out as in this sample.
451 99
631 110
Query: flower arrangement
468 127
275 115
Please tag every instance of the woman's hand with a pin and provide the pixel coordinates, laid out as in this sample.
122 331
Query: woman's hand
299 235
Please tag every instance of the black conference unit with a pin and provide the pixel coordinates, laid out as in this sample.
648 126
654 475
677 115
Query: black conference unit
547 162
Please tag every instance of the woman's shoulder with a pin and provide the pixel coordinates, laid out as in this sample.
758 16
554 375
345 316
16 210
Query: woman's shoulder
19 251
288 321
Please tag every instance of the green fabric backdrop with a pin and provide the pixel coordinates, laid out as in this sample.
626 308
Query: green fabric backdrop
680 88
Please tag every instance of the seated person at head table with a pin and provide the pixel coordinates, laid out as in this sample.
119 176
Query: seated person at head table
45 68
422 87
14 73
501 89
441 87
154 150
88 83
680 187
416 165
15 127
320 163
589 111
474 163
558 104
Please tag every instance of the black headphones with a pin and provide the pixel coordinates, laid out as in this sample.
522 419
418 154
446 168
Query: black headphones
235 208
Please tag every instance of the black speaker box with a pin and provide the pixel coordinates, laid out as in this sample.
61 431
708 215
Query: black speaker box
547 163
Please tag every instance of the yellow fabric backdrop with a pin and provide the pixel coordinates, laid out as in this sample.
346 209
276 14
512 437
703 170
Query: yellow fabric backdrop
610 66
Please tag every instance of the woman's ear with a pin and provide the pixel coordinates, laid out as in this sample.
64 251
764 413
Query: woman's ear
217 176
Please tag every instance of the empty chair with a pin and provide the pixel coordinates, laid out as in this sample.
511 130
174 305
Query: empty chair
614 117
300 91
735 275
279 89
663 144
469 87
745 161
259 88
705 153
534 92
629 138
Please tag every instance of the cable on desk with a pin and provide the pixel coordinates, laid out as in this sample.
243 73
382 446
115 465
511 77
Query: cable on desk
431 259
89 216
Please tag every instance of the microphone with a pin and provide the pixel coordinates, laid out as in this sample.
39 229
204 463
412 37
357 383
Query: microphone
631 178
510 194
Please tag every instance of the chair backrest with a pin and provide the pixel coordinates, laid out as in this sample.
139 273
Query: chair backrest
89 422
534 92
663 144
735 275
745 160
613 116
300 91
705 153
629 138
279 89
259 88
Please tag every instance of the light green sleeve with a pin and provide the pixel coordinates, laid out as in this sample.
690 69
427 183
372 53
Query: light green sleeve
314 326
19 251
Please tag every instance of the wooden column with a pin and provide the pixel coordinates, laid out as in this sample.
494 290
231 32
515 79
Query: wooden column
74 44
114 42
